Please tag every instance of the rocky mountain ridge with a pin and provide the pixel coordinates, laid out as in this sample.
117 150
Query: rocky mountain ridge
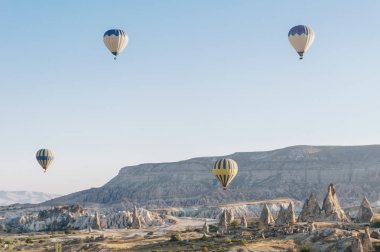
295 171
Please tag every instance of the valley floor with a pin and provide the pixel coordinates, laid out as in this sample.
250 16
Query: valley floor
185 235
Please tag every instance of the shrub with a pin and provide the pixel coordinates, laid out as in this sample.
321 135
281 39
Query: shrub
235 223
305 248
227 240
243 241
29 240
212 228
375 224
175 237
205 249
150 233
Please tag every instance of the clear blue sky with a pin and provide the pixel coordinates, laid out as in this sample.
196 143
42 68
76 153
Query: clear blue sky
198 78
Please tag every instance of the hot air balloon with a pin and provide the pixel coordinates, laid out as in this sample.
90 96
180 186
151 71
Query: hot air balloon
301 37
45 157
225 170
115 40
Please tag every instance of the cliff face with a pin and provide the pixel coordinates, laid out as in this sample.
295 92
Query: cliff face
293 172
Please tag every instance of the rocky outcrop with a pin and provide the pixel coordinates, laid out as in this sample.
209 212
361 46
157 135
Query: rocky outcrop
136 222
117 220
286 216
366 241
243 222
310 210
356 245
331 207
61 218
230 215
223 219
205 228
266 217
365 213
187 183
97 223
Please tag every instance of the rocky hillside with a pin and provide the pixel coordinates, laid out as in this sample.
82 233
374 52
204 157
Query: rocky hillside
24 197
293 172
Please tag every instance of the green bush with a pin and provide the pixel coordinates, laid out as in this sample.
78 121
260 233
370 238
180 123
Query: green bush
175 237
243 241
205 249
227 240
235 223
212 228
29 240
305 248
375 224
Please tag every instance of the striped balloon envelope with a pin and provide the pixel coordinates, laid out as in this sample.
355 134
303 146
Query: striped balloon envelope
301 37
225 171
45 157
115 40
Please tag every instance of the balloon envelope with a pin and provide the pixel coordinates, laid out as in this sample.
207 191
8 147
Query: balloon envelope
45 157
115 40
301 37
225 171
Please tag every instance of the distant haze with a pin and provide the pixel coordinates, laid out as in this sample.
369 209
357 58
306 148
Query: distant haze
198 78
22 197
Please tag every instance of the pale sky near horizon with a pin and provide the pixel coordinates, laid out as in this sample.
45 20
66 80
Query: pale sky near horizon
198 78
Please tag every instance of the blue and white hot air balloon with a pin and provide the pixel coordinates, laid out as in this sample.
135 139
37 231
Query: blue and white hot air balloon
45 157
301 37
115 40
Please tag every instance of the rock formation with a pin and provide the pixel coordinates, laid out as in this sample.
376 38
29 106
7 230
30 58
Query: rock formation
97 223
136 222
310 210
356 245
331 207
266 217
230 216
286 216
366 241
318 163
121 219
365 213
205 228
243 222
223 219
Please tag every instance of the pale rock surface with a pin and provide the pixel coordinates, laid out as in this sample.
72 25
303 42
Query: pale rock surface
356 245
243 222
136 222
266 217
223 218
366 241
205 228
286 216
331 207
365 213
310 210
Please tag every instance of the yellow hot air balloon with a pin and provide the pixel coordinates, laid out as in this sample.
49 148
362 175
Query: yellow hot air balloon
225 171
45 157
